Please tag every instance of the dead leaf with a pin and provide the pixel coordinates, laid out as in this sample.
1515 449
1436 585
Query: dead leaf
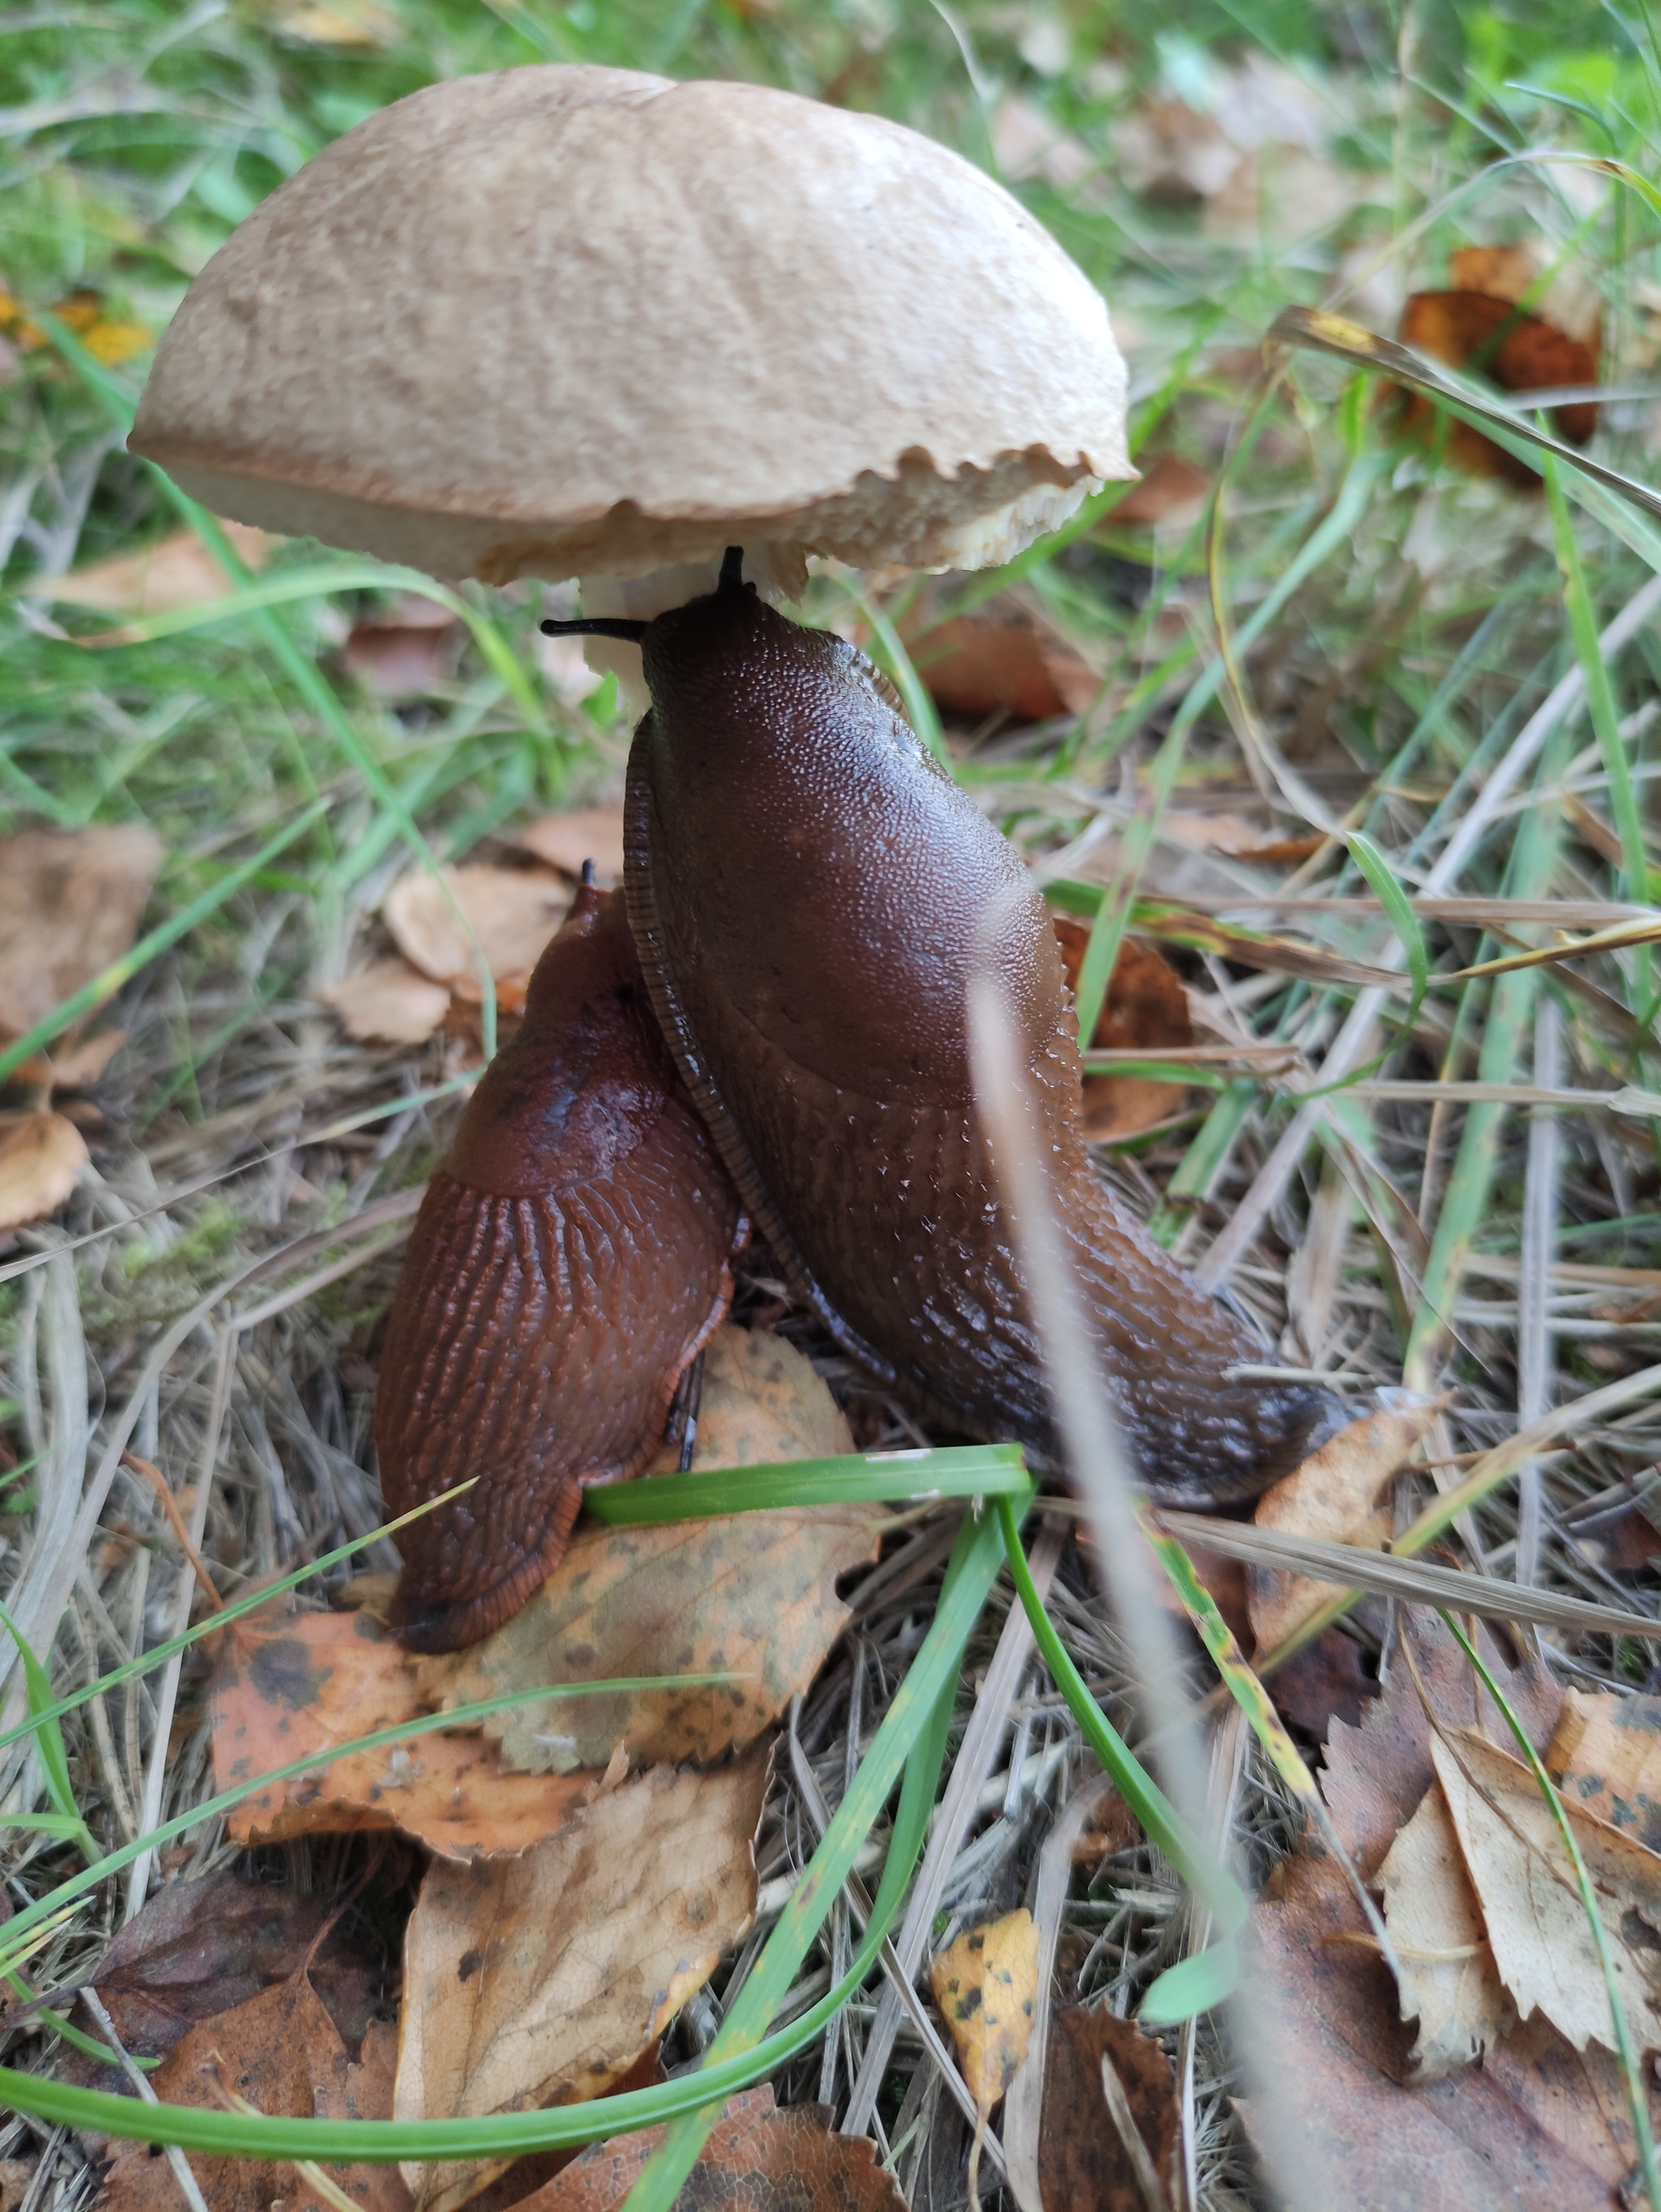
1084 2165
586 833
70 903
200 1948
347 27
1541 1940
753 1594
975 664
1536 2124
163 578
388 1002
41 1156
284 1686
407 654
985 1985
108 338
17 2178
756 2159
1448 1983
1376 1774
74 1066
1478 326
1171 490
280 2051
1333 1496
1327 1680
762 1400
1145 1009
1606 1759
538 1979
512 912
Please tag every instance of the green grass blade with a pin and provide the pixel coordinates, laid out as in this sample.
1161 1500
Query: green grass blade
145 1662
49 1743
930 1681
1600 693
854 1478
1205 1979
912 1719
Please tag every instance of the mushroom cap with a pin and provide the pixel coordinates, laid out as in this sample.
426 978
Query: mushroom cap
560 319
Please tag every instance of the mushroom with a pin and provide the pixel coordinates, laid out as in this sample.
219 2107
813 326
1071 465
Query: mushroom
675 339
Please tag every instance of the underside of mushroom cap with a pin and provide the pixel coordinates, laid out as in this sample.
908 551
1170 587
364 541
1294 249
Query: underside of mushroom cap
567 320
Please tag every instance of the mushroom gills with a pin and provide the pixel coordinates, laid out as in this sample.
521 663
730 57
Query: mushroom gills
810 893
569 1261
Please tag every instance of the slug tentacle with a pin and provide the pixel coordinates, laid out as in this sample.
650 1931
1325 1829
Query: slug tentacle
571 1260
811 894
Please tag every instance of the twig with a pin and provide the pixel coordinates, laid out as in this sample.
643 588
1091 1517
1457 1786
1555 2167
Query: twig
160 1484
189 2188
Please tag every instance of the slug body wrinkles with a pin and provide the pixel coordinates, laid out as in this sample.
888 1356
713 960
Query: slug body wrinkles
808 893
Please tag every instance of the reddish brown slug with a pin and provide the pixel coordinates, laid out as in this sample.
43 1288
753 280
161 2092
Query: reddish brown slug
809 892
569 1261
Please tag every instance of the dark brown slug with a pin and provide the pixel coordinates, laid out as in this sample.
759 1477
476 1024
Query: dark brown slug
569 1261
809 892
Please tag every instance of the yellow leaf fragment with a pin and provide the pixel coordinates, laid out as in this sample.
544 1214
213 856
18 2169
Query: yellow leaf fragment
1542 1939
539 1979
41 1156
1606 1759
985 1985
1331 1496
1448 1981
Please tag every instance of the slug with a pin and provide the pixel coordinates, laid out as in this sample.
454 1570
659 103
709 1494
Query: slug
809 892
571 1260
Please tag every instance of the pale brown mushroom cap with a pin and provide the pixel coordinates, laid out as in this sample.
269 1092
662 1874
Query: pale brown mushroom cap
559 320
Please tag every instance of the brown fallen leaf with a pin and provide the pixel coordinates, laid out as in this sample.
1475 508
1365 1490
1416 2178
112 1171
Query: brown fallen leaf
284 1686
1536 2124
756 2159
1327 1680
984 1984
539 1979
200 1948
1145 1009
975 664
281 2051
753 1594
1332 1496
16 2179
1606 1758
1171 488
586 833
405 654
163 578
70 903
762 1400
1449 1983
388 1002
1543 1945
1479 325
512 912
1084 2165
1375 1774
41 1156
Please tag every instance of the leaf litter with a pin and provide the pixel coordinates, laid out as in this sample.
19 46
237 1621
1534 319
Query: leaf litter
281 1445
